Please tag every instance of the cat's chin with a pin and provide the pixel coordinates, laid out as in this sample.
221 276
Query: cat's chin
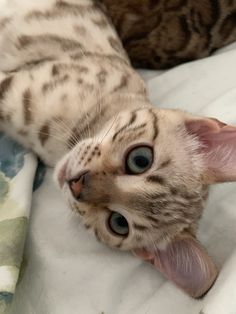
144 254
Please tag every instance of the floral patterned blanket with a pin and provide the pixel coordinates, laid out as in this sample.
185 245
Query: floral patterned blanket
18 168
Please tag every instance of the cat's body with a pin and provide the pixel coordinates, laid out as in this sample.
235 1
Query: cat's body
42 61
160 34
137 175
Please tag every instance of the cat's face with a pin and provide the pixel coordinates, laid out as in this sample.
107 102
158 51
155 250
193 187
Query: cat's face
139 182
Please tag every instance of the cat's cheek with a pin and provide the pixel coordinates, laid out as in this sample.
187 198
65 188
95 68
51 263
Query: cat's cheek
59 175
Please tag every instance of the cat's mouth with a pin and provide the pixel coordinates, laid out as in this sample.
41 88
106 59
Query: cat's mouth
144 254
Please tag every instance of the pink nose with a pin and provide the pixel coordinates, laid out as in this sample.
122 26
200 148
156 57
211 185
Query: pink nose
77 183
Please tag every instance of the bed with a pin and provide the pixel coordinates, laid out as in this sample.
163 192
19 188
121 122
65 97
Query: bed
66 271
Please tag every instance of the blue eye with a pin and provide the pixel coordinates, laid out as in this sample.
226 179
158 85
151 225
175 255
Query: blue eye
139 160
118 224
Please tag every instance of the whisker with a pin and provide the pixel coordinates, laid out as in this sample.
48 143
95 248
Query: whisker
108 131
49 135
75 138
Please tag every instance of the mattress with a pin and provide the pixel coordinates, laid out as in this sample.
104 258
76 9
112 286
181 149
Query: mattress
65 269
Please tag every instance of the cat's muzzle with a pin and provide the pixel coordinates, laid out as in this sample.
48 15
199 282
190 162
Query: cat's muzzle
77 183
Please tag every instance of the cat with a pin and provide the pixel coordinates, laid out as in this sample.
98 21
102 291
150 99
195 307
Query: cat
164 33
137 175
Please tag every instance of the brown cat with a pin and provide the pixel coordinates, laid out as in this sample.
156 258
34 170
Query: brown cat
163 33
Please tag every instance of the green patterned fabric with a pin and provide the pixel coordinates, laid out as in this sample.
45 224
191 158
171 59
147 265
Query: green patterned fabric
17 173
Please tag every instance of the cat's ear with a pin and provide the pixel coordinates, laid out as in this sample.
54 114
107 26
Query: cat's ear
217 146
186 263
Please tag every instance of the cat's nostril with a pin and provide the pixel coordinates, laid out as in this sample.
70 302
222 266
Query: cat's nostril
77 183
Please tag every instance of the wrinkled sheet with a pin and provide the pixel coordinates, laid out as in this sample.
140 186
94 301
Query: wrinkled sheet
20 175
68 271
17 171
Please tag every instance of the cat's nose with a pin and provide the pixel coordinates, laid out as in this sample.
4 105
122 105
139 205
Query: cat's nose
78 183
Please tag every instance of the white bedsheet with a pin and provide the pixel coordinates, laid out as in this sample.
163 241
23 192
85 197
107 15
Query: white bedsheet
68 272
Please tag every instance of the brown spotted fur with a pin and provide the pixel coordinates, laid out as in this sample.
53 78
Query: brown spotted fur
69 93
163 33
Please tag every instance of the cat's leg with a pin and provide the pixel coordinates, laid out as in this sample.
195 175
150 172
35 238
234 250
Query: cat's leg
5 82
16 112
26 113
10 104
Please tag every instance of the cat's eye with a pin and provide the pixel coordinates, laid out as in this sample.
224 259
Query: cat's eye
139 160
118 224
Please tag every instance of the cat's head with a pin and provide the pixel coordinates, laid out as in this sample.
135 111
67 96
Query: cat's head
141 184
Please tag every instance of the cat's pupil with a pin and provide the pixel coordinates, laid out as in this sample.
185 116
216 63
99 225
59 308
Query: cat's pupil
141 161
118 224
121 221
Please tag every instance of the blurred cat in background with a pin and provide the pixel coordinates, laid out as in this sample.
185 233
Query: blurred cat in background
159 34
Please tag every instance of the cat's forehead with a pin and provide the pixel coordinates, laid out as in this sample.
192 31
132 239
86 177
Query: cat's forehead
131 129
131 126
145 125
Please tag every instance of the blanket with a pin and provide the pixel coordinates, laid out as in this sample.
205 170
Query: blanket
17 169
19 176
68 271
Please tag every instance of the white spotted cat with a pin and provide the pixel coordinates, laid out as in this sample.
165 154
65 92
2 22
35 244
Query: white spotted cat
137 175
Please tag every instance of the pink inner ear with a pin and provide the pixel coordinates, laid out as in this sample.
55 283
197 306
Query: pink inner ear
185 263
218 147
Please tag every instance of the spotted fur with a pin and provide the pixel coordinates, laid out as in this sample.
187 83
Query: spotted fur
68 92
166 200
161 34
